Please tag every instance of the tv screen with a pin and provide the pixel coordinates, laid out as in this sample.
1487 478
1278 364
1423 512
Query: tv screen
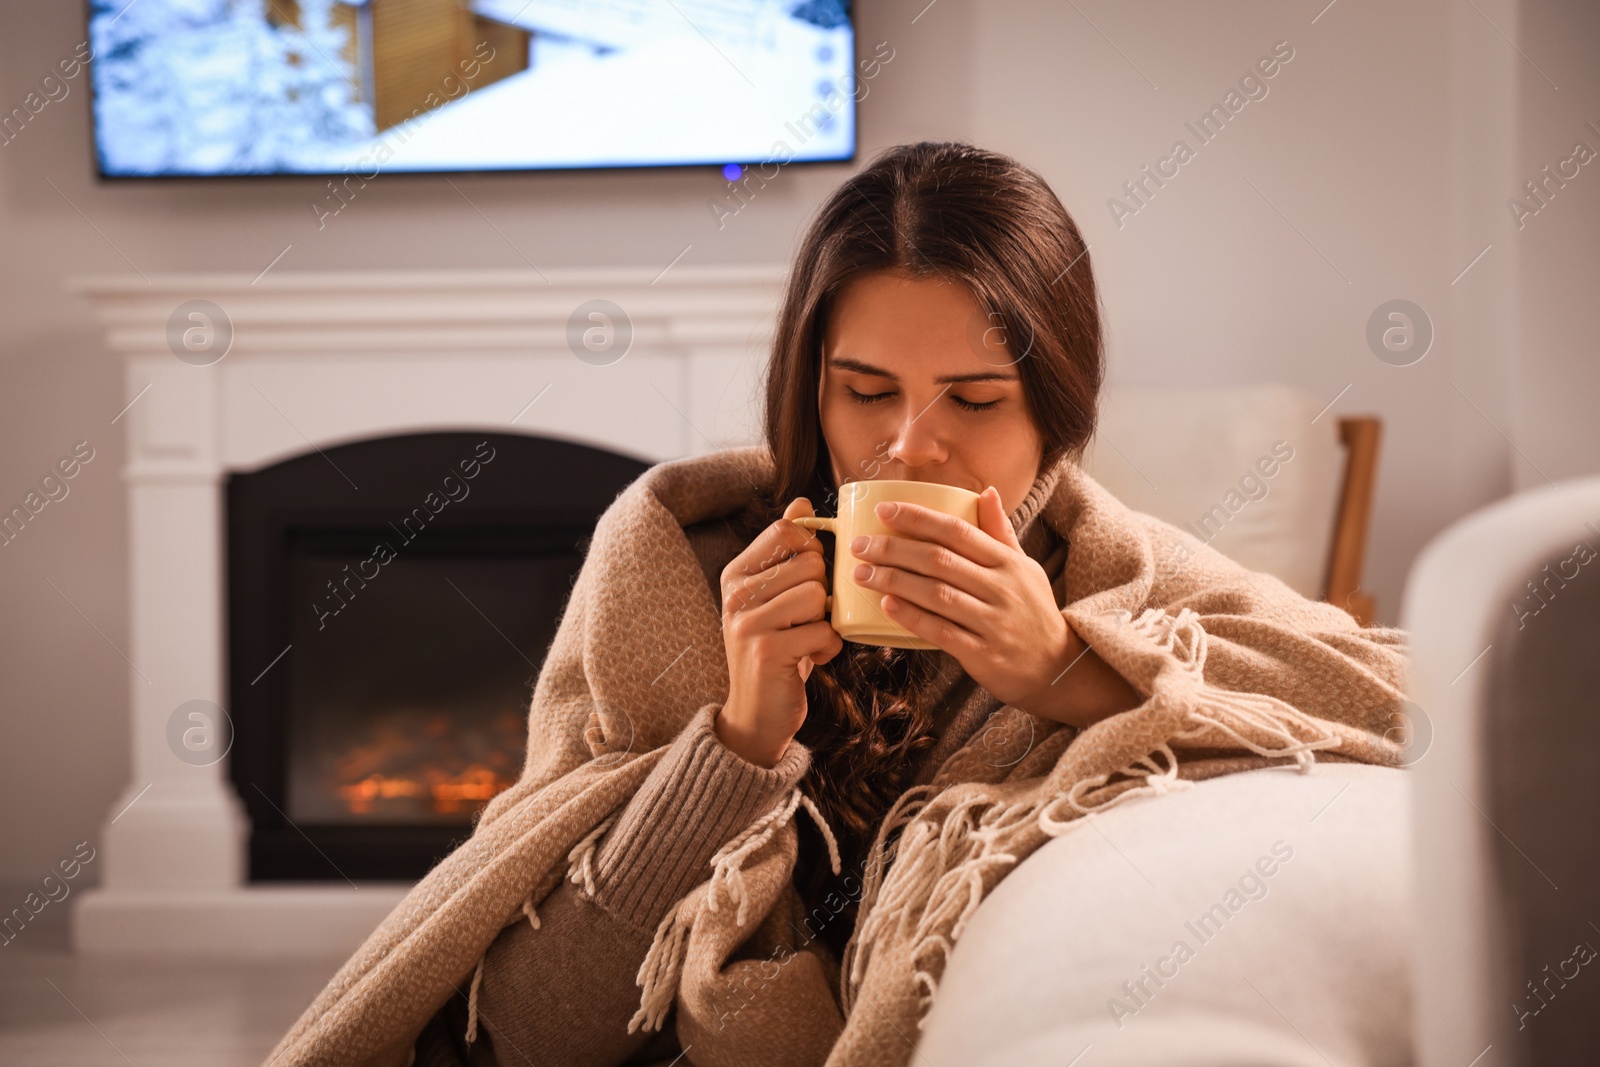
200 88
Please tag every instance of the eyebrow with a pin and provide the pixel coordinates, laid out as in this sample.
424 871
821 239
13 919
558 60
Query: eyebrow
861 367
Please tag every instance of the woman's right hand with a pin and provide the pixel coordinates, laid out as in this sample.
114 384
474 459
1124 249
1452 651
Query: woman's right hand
774 630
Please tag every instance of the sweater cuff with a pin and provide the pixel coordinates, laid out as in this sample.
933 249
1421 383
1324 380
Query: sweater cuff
697 799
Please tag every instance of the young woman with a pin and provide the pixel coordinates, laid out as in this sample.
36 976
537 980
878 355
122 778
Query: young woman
940 324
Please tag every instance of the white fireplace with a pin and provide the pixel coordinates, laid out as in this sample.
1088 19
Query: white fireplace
319 359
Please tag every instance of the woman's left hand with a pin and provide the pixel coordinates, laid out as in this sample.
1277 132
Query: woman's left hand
973 592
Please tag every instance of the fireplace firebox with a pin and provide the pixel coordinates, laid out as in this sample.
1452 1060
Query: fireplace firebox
390 602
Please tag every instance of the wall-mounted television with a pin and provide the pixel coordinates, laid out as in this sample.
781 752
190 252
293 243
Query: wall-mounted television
215 88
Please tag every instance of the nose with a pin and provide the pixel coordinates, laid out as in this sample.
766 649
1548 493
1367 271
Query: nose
918 442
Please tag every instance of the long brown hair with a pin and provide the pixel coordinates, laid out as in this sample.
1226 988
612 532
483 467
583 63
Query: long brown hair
932 209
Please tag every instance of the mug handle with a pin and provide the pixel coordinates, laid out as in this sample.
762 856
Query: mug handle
820 522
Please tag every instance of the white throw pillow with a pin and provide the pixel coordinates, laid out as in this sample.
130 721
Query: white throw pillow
1244 469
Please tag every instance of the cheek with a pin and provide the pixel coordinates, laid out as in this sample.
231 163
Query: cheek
1007 457
850 430
1006 446
839 432
828 422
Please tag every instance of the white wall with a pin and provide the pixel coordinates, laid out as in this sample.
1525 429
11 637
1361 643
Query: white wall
1556 372
1383 144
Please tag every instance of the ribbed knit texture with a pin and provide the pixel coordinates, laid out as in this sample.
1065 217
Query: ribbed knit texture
698 797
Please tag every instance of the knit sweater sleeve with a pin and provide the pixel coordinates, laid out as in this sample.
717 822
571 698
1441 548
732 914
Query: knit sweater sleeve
564 993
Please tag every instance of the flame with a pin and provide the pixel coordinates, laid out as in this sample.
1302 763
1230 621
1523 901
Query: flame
448 793
424 766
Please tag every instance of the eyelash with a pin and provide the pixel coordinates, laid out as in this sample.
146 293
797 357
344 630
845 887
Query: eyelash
873 398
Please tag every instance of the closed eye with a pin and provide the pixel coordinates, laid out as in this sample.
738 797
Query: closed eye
860 397
964 404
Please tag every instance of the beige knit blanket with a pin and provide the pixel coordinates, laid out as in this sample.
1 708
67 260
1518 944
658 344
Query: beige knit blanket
1238 669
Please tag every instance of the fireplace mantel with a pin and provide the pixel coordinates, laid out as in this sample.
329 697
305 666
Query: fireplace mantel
319 359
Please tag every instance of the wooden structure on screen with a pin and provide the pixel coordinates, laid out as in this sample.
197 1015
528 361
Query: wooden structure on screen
409 57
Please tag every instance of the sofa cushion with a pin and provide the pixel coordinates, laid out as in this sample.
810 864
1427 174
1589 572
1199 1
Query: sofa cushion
1256 918
1245 469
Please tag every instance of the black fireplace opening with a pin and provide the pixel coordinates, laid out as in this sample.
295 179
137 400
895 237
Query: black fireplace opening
390 603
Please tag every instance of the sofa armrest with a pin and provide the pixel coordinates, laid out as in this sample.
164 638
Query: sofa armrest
1261 917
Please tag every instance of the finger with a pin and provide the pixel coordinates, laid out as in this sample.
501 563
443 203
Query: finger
796 606
958 535
779 541
931 627
929 594
753 590
782 538
992 519
798 507
793 534
832 643
789 536
929 559
815 641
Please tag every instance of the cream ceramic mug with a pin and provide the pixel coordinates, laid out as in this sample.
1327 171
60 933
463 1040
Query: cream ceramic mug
857 612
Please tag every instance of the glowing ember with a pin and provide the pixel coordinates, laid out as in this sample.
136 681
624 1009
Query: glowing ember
475 785
427 768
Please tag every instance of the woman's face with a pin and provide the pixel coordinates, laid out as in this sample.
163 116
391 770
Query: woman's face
916 385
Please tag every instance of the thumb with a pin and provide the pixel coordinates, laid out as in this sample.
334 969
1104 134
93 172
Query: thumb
992 519
798 507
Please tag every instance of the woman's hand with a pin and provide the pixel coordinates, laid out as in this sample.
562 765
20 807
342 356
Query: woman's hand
974 593
774 630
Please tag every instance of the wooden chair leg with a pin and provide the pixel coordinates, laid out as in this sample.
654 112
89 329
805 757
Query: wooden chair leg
1361 436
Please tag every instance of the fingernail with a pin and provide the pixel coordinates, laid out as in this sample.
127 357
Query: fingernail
887 508
858 542
863 571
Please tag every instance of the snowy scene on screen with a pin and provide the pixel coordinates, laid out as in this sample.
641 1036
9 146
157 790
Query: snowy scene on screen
231 87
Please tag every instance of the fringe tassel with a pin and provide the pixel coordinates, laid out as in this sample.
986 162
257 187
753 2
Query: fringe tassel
1155 782
663 963
941 870
1224 710
869 911
472 1001
542 889
827 832
580 869
580 860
